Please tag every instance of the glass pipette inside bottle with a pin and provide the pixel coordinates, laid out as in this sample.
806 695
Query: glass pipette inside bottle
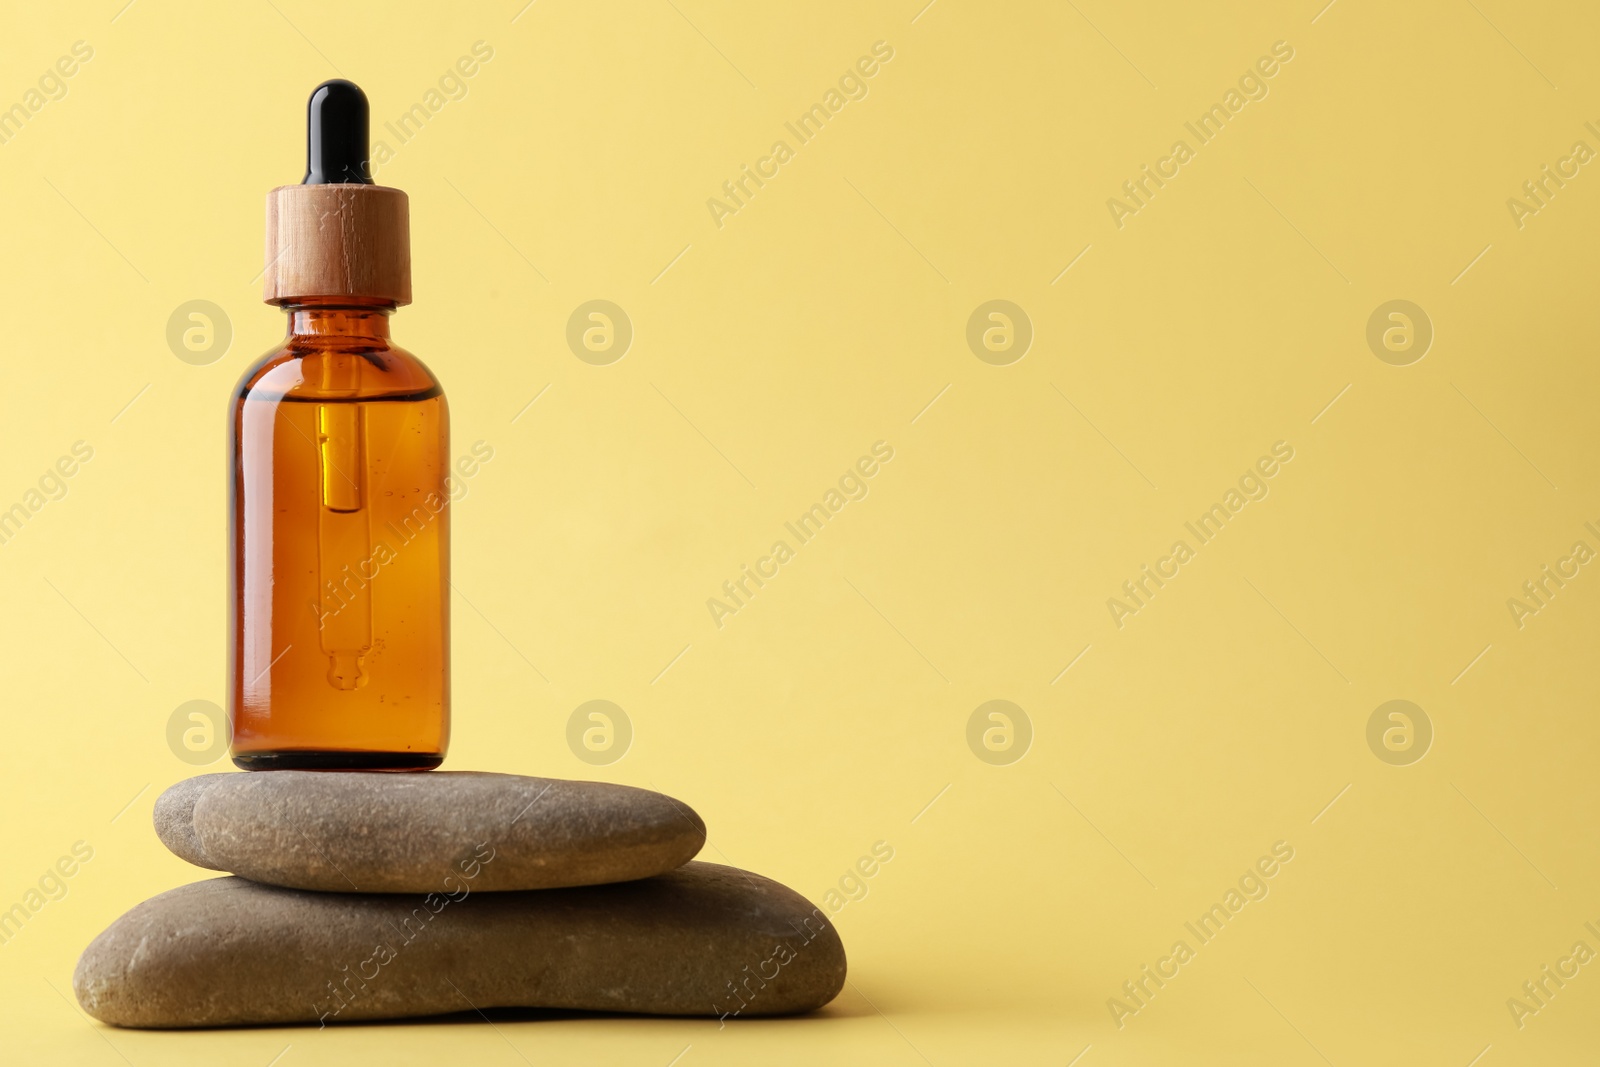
343 535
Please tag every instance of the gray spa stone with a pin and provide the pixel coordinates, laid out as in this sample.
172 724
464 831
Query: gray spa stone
174 818
372 832
703 940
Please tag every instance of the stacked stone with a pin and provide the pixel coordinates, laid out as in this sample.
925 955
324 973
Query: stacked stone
380 896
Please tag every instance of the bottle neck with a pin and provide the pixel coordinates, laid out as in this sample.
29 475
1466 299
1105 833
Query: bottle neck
346 318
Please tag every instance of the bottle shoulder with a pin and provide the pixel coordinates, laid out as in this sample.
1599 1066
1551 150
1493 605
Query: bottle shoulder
315 370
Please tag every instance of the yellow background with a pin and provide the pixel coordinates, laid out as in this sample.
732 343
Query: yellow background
827 714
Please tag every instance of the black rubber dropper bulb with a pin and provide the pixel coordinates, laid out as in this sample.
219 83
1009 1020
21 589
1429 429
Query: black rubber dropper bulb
336 135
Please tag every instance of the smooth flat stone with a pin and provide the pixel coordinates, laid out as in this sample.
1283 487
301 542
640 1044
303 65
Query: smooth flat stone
174 818
369 832
702 940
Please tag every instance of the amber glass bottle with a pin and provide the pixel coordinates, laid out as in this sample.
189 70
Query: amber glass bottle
339 508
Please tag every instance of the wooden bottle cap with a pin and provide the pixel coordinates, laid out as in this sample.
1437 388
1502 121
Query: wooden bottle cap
337 241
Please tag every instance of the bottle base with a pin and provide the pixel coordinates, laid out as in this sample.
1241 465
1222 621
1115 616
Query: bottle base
330 760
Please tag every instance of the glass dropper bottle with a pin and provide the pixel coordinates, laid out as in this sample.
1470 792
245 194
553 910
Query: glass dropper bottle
338 519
